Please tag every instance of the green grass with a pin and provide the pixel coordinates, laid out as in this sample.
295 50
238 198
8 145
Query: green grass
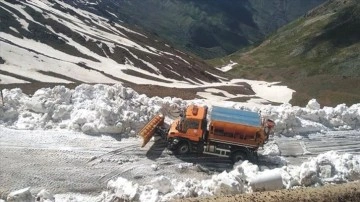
207 28
317 55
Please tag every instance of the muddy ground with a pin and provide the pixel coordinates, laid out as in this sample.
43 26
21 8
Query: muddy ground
328 193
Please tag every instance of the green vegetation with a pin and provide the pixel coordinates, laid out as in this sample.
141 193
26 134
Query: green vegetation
318 55
206 28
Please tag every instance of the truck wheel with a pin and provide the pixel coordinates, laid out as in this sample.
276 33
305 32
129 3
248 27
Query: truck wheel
183 148
237 156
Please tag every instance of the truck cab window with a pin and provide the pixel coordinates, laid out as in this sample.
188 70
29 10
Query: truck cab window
190 124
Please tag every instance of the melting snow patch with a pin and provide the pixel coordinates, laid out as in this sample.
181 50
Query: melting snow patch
227 67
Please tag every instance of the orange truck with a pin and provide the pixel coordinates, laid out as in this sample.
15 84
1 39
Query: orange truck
232 133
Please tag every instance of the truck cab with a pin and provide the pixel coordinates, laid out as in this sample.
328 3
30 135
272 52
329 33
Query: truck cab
188 131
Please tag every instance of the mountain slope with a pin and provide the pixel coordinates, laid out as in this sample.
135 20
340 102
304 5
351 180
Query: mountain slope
316 55
52 41
206 28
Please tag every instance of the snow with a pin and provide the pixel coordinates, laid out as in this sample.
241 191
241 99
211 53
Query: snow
344 167
9 79
270 91
103 109
45 196
96 109
271 149
227 67
37 58
67 64
20 195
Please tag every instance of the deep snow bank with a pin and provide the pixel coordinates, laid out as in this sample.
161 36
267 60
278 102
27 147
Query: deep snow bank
88 108
101 108
293 120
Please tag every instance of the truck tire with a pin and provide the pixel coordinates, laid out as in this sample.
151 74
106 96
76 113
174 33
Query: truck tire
183 148
237 156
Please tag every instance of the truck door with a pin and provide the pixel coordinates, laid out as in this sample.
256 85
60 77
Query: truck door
193 129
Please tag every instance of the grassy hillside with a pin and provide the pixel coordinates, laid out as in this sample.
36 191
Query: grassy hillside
207 28
318 55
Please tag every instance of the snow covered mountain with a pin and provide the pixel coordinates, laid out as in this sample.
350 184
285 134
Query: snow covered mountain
54 42
206 28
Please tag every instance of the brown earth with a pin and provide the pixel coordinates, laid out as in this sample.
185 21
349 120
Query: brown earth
149 90
329 193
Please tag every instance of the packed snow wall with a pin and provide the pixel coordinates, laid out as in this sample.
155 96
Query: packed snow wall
101 109
93 109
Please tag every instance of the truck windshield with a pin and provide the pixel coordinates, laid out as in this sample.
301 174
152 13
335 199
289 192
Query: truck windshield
190 124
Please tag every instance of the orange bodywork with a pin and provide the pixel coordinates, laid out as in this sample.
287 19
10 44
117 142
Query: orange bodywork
189 128
237 134
196 112
147 132
228 127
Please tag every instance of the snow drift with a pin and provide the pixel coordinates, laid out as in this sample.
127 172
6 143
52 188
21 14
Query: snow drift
99 109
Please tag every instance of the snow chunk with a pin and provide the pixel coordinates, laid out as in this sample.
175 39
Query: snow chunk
124 189
163 184
313 104
271 149
328 167
308 173
227 183
23 195
45 196
149 194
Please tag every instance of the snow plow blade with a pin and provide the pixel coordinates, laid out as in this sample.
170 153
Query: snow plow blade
148 131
